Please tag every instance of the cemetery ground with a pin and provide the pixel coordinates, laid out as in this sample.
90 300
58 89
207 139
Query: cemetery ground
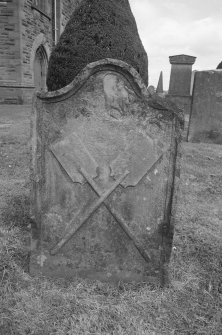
192 304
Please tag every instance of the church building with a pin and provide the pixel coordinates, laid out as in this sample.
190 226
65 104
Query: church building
28 31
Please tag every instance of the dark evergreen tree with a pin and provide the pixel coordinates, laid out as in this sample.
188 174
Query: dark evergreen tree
97 29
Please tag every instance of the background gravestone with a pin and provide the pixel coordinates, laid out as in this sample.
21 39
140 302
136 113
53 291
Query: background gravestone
97 29
206 115
104 173
180 81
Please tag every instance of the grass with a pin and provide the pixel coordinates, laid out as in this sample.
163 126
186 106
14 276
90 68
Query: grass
191 305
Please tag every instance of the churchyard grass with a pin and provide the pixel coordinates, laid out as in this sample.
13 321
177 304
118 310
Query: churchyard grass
192 304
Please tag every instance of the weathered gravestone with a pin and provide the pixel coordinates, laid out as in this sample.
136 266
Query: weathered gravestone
104 174
206 114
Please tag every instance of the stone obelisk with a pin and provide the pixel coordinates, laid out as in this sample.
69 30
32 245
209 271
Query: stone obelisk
159 89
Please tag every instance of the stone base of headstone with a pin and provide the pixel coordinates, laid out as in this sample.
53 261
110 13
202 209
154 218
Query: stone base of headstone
205 123
105 169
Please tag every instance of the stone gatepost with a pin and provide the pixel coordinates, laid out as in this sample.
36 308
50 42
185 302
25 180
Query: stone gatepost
206 115
105 166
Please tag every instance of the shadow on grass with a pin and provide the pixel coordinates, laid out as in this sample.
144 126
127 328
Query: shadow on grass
16 213
15 234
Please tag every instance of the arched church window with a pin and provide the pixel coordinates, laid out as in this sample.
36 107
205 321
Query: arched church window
40 68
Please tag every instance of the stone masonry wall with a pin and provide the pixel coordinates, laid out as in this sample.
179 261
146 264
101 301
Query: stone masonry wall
9 45
22 30
33 24
68 6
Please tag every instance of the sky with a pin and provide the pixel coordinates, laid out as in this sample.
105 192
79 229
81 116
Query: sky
174 27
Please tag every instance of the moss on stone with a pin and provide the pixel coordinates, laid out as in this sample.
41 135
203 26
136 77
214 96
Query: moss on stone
97 29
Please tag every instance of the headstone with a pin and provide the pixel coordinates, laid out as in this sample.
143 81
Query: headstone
159 89
180 81
105 168
206 114
97 29
180 77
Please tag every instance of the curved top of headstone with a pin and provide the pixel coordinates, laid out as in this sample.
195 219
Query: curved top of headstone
152 100
106 64
219 66
97 29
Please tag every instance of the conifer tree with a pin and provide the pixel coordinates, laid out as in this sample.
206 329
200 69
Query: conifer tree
97 29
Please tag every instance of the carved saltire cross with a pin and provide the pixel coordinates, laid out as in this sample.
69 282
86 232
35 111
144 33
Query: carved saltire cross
127 169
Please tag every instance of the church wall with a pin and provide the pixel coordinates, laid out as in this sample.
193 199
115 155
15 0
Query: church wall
24 26
10 60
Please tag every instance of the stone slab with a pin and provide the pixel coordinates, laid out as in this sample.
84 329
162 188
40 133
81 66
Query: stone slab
206 112
104 171
180 76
